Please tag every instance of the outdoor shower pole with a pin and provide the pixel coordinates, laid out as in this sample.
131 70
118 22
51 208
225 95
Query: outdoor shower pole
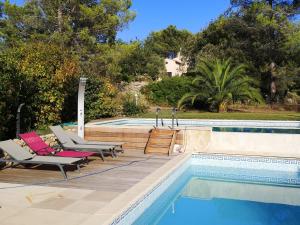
18 125
80 113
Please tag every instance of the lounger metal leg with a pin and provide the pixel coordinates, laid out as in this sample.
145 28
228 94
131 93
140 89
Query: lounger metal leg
114 153
101 155
78 168
63 171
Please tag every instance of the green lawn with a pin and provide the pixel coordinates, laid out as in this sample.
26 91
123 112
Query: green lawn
228 115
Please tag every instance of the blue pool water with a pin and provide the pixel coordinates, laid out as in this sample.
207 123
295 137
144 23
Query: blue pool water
202 196
229 212
256 130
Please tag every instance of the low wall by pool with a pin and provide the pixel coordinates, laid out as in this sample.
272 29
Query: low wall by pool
267 144
283 145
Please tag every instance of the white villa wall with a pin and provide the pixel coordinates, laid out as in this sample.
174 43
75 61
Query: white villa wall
172 67
265 144
176 66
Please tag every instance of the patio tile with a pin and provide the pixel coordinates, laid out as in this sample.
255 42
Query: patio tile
45 217
7 211
54 203
98 219
88 207
103 196
75 193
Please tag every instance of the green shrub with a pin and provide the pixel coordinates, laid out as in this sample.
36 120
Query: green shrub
15 89
168 91
130 108
101 99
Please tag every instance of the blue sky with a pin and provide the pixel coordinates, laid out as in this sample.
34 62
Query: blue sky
154 15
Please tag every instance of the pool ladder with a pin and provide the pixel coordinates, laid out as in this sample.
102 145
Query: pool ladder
174 118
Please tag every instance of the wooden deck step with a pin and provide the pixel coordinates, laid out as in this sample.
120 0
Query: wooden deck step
161 141
151 149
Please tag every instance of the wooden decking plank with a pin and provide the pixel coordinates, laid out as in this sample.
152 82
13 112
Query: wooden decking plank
114 174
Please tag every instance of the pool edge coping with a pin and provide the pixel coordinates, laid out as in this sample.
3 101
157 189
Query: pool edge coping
122 205
93 123
118 206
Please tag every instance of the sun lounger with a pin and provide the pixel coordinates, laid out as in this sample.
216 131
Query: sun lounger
36 144
78 140
21 155
67 143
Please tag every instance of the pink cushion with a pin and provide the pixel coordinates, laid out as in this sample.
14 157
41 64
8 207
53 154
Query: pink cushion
36 143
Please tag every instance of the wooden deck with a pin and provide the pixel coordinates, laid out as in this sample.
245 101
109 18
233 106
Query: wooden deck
114 174
134 138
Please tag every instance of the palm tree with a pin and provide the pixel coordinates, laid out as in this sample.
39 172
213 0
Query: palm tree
219 83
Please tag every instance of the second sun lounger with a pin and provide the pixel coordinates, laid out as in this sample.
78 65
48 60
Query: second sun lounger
78 140
67 143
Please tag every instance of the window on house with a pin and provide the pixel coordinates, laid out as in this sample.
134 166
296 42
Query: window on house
170 74
171 55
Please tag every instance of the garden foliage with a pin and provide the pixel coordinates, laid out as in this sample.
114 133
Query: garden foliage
168 91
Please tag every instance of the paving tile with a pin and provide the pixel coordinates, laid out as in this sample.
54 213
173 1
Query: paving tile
45 217
98 219
103 196
88 207
75 193
54 203
78 201
7 211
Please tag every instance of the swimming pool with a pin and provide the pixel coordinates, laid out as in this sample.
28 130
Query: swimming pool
222 189
248 126
202 123
197 200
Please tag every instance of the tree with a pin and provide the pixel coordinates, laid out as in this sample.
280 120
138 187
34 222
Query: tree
168 40
292 49
52 72
15 89
290 7
141 62
219 83
72 23
46 45
254 35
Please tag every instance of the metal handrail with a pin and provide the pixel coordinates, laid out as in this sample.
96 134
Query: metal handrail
174 117
158 110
